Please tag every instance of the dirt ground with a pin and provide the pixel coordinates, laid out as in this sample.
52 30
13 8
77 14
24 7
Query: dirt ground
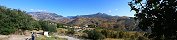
14 37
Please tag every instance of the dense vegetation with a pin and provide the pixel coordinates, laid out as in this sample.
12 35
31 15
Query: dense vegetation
103 33
158 17
48 26
12 20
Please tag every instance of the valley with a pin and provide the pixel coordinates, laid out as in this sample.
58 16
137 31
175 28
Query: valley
88 19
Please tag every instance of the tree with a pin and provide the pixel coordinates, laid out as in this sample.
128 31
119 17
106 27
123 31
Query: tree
12 20
60 25
156 16
48 26
6 31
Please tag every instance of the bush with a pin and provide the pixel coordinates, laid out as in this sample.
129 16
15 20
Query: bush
48 26
12 20
71 31
95 35
6 31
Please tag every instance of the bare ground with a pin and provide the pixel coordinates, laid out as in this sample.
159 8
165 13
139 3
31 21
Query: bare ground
14 37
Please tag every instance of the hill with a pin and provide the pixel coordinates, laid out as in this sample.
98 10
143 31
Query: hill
104 20
98 19
46 16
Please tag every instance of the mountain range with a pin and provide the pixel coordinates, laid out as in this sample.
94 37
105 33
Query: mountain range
49 17
98 19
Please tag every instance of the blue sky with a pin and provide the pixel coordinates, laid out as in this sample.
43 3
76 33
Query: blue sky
72 7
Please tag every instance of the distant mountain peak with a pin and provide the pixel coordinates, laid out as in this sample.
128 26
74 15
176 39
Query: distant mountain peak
44 13
98 19
99 13
38 12
48 16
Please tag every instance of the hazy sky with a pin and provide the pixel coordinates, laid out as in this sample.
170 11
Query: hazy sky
72 7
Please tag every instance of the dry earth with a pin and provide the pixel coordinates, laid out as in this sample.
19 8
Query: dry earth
14 37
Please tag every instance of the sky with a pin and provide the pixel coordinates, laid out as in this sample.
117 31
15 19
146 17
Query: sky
72 7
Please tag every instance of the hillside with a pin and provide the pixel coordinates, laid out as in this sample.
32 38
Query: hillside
14 21
48 17
98 19
104 20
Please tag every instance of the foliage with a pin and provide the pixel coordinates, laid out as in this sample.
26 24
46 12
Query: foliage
12 20
62 31
92 26
71 31
48 26
115 34
109 33
59 26
7 31
158 17
95 35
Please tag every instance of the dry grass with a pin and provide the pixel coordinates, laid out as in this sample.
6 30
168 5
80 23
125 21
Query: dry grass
49 38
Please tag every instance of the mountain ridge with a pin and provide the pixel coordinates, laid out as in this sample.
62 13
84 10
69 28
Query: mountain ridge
98 19
47 16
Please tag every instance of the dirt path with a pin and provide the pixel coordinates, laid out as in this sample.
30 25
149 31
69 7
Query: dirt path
69 38
14 37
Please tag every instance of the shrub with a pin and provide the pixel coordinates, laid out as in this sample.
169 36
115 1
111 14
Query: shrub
71 31
95 35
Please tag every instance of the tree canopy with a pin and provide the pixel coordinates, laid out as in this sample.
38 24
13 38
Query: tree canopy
12 20
159 17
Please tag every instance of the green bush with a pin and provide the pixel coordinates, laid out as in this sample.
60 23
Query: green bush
12 20
71 31
95 35
6 31
48 26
